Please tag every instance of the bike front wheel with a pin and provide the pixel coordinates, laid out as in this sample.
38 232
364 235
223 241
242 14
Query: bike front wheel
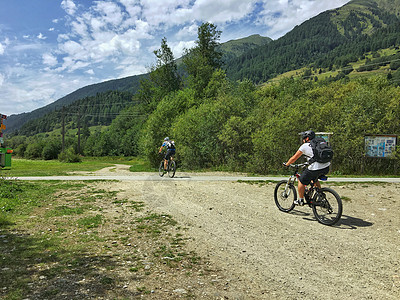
327 206
171 168
161 169
284 195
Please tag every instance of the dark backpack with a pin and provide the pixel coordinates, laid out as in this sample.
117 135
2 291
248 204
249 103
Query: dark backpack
171 145
323 153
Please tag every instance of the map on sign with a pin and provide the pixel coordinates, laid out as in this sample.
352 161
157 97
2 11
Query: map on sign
380 145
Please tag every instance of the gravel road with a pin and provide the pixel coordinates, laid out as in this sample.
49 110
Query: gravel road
265 254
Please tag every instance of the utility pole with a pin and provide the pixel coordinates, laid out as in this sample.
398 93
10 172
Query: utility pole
79 131
63 128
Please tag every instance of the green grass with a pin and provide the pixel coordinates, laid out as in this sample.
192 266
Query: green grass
91 221
53 242
26 167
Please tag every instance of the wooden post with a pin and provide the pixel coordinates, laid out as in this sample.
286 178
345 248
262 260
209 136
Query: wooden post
63 128
79 131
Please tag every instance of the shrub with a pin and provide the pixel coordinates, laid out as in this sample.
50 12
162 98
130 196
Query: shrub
69 156
33 150
51 150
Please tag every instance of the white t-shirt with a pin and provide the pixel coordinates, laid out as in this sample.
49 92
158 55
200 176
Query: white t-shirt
307 151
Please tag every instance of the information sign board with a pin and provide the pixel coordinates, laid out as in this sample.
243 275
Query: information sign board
380 145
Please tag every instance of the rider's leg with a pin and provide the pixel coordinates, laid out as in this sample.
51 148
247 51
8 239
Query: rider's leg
317 184
301 188
304 180
167 156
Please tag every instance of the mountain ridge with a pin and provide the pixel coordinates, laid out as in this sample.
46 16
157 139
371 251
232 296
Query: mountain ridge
348 28
231 49
332 39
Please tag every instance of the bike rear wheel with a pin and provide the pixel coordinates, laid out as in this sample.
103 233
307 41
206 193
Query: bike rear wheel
171 168
327 206
284 195
161 169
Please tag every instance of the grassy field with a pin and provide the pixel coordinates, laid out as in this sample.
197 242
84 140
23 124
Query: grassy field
78 240
25 167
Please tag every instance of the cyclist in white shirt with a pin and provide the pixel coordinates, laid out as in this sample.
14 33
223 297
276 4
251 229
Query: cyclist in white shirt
313 171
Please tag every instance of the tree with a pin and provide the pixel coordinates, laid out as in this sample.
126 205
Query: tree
163 79
164 74
202 60
207 44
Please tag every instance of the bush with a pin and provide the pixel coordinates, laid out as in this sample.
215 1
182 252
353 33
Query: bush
51 150
394 65
34 151
69 156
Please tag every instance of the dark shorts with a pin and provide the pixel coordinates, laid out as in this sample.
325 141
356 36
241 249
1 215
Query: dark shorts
307 176
170 152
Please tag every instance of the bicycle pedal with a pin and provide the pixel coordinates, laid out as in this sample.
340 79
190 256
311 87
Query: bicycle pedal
299 202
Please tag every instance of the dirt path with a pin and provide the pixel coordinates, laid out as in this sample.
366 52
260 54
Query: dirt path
266 254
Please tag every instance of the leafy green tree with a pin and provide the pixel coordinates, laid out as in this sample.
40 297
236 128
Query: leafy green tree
394 65
202 60
165 74
163 79
34 150
69 156
52 149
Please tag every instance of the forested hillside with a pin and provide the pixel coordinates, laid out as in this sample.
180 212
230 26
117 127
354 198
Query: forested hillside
330 40
230 49
228 125
128 84
96 110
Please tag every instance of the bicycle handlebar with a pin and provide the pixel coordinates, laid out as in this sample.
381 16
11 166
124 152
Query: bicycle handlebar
297 165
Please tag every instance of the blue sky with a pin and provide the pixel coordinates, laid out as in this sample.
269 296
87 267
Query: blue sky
50 48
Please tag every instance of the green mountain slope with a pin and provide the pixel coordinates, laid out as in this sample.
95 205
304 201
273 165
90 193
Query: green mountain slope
235 48
128 84
330 40
230 49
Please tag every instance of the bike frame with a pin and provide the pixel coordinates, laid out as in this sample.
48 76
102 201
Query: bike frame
295 176
168 160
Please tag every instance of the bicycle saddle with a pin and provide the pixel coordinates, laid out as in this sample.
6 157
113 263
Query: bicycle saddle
323 177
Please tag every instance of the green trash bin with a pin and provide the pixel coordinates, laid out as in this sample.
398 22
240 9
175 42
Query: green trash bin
2 160
5 157
8 160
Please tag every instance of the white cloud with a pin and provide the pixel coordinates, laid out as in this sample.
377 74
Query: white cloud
4 45
102 33
49 59
280 16
17 94
69 6
115 38
222 11
27 47
109 13
178 49
170 12
187 31
41 36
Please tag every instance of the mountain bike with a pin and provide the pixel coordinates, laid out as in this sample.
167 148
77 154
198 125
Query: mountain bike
325 202
171 167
